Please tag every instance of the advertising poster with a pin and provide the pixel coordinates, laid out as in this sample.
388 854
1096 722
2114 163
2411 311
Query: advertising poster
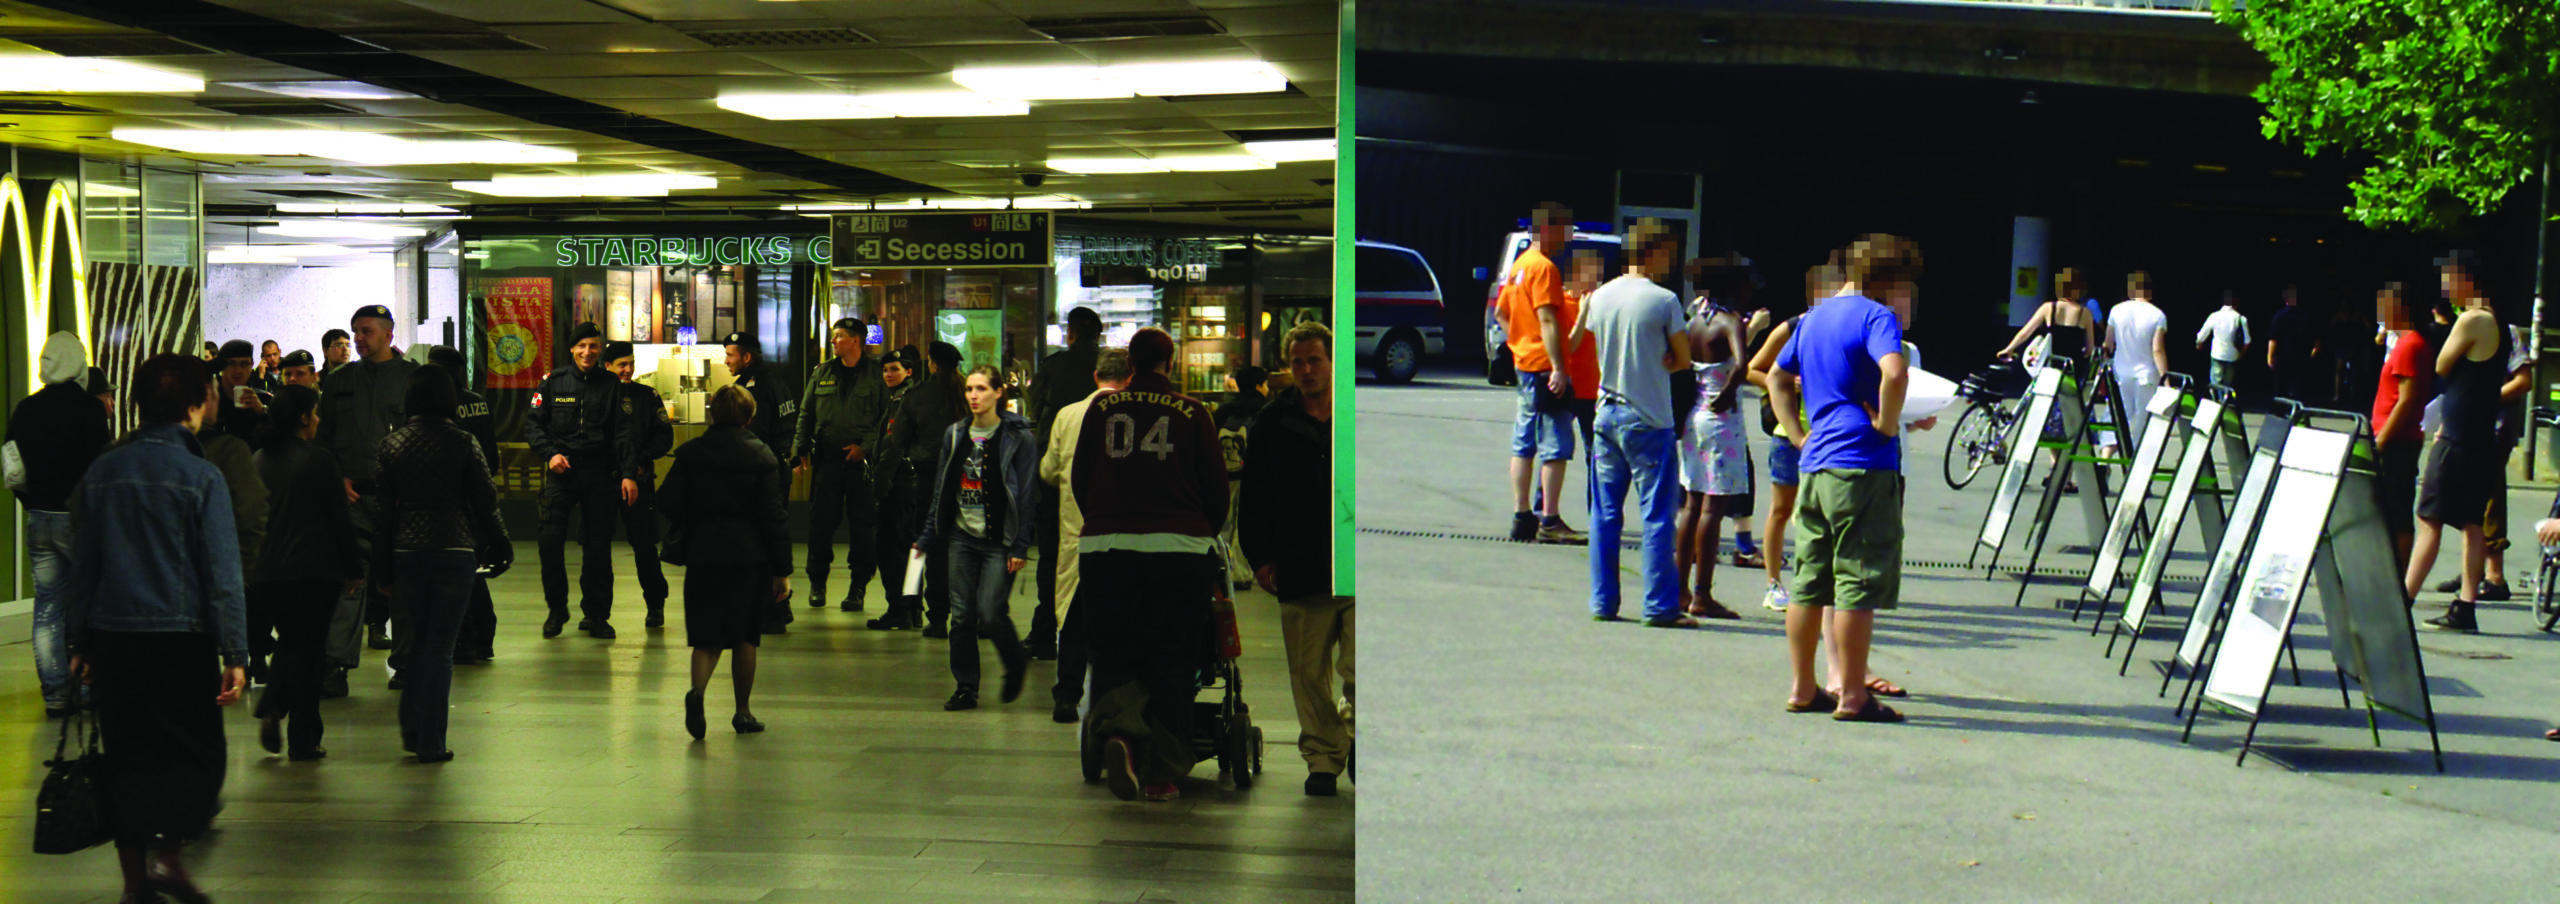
978 335
519 330
968 292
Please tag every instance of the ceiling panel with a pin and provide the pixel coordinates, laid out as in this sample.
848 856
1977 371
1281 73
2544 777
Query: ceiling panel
500 12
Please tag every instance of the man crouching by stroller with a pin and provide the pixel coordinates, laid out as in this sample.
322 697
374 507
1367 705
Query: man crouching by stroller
1152 481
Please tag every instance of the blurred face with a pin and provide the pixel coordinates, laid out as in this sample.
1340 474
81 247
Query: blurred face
236 372
1587 275
1311 368
1555 231
335 352
893 373
848 346
270 356
622 368
983 395
737 360
305 375
373 338
2394 311
586 351
2458 286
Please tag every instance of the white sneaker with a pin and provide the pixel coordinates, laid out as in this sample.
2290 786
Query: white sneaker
1775 599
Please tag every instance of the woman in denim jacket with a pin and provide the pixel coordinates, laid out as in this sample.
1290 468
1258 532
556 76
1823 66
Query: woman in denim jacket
986 500
154 596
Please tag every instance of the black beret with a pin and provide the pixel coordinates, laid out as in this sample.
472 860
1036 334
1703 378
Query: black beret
371 310
616 351
853 325
583 332
744 342
445 356
298 358
96 384
237 348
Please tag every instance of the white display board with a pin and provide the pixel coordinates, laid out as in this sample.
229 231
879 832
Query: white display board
2137 490
2023 436
2234 548
2280 563
2194 460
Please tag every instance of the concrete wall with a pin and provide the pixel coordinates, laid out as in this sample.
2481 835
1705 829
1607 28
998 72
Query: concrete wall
294 305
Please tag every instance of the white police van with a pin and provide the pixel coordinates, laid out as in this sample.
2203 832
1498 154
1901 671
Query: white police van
1400 317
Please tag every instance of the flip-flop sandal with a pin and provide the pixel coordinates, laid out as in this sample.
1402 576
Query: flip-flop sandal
1874 711
1886 688
1822 702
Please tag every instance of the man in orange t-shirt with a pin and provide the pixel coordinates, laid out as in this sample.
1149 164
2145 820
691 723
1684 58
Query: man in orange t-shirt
1535 315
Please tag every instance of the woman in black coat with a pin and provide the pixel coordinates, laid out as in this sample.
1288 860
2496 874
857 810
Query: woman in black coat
439 509
724 496
310 560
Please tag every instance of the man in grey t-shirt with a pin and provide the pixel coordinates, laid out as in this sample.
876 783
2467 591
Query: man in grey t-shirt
1639 331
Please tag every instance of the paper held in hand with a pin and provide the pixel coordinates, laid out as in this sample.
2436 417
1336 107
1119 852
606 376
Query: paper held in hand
915 573
1928 395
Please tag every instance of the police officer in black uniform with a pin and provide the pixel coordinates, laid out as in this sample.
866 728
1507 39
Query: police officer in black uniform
569 435
839 424
641 436
478 642
777 407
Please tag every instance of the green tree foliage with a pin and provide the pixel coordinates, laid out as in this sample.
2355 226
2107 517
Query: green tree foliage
2456 101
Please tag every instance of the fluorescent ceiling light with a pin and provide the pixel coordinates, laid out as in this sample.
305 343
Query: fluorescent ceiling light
112 190
362 207
38 73
624 185
1052 202
1238 77
342 229
1125 80
297 250
232 257
1041 82
968 203
1292 151
359 148
1105 166
326 90
1215 163
914 105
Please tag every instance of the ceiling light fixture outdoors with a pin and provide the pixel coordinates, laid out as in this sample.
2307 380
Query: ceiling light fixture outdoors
38 73
342 229
1124 80
1292 151
905 105
359 148
623 185
363 207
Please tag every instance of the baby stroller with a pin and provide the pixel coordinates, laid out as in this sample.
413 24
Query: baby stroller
1223 727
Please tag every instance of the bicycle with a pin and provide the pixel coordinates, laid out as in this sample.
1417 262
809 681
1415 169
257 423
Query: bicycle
2546 597
1981 434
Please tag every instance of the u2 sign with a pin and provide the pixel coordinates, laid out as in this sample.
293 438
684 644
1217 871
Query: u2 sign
946 240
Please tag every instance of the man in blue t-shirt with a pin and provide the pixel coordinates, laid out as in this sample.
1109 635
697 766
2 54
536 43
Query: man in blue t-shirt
1846 367
1641 336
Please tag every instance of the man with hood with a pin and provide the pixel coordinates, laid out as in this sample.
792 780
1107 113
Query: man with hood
53 436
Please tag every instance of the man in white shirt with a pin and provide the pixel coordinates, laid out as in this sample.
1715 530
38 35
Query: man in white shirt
2229 333
2137 337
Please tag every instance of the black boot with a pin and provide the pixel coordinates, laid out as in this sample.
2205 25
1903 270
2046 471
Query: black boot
657 615
817 592
552 624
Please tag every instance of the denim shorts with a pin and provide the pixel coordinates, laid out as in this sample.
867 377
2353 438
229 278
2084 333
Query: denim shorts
1782 462
1546 435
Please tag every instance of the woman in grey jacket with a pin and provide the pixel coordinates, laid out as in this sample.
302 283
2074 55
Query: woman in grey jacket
986 499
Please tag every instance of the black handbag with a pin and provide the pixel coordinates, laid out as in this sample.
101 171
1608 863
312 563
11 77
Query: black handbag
71 808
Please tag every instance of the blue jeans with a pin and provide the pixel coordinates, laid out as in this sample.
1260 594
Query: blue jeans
981 596
434 587
49 553
1629 452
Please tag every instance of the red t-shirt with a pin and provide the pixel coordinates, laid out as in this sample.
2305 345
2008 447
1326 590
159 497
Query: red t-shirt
2409 359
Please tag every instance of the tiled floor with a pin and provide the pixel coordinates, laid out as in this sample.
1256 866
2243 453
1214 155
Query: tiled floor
575 781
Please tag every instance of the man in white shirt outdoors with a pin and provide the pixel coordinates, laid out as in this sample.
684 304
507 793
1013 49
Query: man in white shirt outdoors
1642 339
2229 333
2137 338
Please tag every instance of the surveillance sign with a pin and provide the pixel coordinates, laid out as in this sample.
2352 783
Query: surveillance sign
946 240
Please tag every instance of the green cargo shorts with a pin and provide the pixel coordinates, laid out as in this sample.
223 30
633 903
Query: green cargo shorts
1849 540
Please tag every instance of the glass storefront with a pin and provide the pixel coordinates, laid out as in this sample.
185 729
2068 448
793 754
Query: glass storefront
673 290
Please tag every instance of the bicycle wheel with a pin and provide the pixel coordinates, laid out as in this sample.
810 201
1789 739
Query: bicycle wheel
1973 442
2546 598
